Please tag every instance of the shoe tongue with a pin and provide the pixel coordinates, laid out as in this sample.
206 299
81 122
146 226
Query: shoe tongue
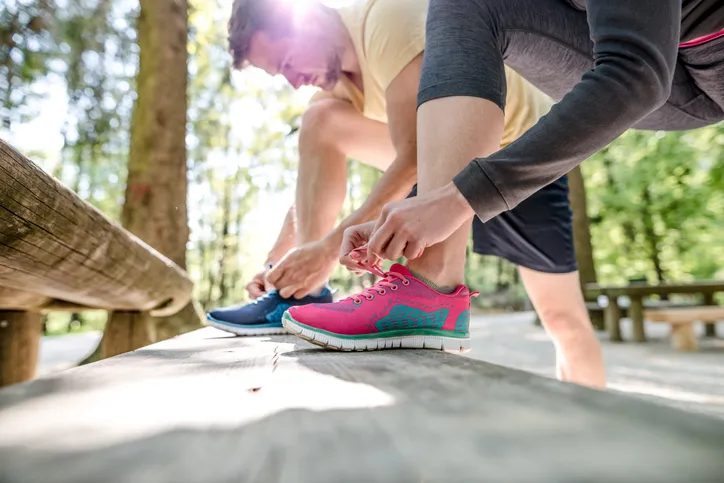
402 270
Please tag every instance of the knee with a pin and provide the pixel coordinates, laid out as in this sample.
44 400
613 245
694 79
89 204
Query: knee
565 322
319 125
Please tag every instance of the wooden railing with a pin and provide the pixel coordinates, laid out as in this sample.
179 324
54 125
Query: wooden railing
58 252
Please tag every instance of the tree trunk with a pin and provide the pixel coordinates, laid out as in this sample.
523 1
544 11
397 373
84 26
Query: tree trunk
211 278
19 344
629 230
155 204
225 241
652 238
581 227
499 284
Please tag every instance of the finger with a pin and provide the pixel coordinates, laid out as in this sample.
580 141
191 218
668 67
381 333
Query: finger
380 219
355 237
379 241
254 290
413 250
395 247
289 291
349 263
301 293
276 274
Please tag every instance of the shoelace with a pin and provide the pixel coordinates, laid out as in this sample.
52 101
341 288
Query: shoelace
388 279
266 296
379 288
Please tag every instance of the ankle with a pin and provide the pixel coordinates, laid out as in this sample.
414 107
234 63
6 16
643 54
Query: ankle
437 274
440 288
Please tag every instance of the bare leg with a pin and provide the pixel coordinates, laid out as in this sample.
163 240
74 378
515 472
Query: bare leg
559 302
472 128
333 130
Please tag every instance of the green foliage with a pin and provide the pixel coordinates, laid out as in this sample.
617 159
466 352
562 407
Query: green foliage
26 46
98 56
655 202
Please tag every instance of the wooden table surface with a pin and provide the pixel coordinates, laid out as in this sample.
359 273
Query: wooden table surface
641 288
210 408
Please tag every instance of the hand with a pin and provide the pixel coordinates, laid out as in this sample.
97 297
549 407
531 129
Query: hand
257 287
409 226
357 237
304 269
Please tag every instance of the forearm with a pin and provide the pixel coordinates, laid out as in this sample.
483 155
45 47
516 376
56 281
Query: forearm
286 239
395 184
635 48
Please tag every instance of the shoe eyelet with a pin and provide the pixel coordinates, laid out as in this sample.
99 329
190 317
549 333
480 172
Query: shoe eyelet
393 288
383 292
357 301
371 297
405 282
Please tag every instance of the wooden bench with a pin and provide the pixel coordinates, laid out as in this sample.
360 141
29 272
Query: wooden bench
207 407
636 292
58 252
682 321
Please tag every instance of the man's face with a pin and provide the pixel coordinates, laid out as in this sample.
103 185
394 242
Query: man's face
302 57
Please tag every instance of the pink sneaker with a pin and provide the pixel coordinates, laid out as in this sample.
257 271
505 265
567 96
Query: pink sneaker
399 311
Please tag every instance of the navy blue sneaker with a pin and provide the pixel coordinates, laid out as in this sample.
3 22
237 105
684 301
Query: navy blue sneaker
263 316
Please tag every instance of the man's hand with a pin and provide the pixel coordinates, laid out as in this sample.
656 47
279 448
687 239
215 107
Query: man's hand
409 226
257 287
304 269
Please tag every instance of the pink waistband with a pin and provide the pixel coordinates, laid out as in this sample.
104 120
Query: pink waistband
702 40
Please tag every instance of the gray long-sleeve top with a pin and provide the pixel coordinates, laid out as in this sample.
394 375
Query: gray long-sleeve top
635 50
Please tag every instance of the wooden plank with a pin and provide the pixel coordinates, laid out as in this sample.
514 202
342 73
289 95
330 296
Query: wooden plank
19 344
709 329
55 244
696 287
11 299
636 312
685 315
612 319
210 408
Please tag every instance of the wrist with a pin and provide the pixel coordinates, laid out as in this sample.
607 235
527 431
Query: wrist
457 201
332 242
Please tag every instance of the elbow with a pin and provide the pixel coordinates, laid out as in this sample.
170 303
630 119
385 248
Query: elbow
643 73
657 83
642 87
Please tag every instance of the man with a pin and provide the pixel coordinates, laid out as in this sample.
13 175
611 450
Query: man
368 57
614 64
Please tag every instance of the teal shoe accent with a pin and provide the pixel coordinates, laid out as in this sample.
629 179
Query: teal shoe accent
404 317
463 323
275 316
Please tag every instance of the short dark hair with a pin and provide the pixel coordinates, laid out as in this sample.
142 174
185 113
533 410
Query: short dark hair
247 18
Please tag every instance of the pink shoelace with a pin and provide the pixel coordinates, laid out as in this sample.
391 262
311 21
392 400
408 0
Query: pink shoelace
387 282
381 287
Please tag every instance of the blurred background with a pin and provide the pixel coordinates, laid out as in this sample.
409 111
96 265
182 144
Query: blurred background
654 200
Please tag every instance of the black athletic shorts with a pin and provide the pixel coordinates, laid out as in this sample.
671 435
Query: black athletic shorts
536 234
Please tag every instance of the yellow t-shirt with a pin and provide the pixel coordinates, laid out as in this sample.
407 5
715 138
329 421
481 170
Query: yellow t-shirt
388 35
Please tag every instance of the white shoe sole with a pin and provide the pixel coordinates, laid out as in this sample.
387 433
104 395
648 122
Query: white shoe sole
328 341
238 330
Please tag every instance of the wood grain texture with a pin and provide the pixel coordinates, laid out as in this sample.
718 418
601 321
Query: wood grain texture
11 299
54 244
701 287
209 408
19 344
686 315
